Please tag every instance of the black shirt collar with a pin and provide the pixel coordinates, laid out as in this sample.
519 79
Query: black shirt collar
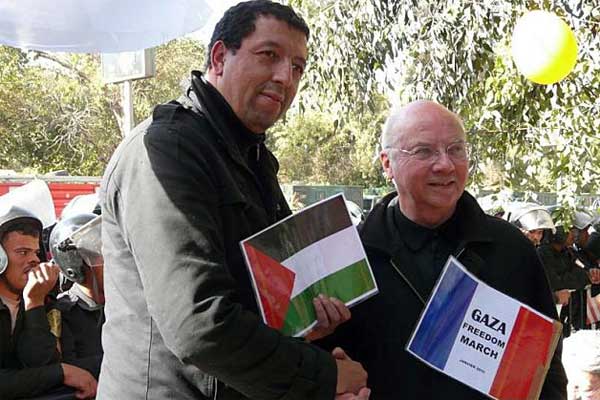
417 236
386 225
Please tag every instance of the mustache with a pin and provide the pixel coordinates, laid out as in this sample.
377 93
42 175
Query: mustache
274 88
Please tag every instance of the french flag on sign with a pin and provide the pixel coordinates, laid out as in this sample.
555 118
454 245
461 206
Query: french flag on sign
593 307
484 338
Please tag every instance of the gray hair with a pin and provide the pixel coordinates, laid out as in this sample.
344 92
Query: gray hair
387 136
582 351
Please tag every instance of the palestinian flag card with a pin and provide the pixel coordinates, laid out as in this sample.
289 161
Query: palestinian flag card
314 251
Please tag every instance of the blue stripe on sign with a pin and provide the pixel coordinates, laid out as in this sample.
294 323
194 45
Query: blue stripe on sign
441 322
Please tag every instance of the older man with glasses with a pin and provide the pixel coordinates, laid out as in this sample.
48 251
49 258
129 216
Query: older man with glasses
409 236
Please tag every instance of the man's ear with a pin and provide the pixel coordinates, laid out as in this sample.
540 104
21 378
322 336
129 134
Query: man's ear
217 57
386 164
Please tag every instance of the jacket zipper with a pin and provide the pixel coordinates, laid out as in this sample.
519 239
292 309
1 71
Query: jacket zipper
410 285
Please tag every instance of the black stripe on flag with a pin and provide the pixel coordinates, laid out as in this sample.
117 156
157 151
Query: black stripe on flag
303 229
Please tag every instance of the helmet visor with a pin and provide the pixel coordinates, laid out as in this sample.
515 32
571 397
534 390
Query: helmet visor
536 219
88 242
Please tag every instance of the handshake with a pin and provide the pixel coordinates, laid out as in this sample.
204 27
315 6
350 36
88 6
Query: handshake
351 378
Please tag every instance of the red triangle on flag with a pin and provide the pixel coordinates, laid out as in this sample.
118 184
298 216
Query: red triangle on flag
274 283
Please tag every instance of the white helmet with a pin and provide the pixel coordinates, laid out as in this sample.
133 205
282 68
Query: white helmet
356 213
582 220
529 216
9 216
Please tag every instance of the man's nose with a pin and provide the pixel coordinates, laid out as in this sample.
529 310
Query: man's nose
283 72
34 258
443 162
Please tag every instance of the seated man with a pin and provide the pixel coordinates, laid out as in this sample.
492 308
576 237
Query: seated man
593 245
531 219
567 279
29 360
581 226
82 306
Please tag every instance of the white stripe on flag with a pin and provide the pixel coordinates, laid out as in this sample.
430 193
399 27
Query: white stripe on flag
323 258
593 308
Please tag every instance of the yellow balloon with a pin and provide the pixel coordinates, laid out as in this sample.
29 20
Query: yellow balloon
543 47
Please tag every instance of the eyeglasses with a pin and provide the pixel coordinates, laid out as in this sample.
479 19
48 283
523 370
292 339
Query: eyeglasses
457 152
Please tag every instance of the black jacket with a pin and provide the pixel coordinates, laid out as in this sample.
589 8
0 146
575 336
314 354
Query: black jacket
406 261
561 269
82 321
177 197
28 357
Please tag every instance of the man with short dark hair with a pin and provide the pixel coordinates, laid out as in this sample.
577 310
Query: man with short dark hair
29 360
177 197
408 238
531 218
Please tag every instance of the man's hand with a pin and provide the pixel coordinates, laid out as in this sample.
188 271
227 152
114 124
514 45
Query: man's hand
594 274
351 376
562 296
363 394
83 382
331 312
41 279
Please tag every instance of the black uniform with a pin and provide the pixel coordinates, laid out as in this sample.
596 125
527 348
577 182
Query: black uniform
562 271
81 338
29 360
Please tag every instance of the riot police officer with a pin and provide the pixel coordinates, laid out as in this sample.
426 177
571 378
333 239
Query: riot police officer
29 359
83 304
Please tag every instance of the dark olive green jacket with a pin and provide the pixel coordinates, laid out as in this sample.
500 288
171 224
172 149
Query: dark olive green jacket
177 197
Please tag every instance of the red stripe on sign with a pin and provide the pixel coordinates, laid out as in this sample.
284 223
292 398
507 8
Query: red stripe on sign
593 308
525 360
274 283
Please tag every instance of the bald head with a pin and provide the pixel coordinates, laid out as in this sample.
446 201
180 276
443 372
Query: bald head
413 118
425 155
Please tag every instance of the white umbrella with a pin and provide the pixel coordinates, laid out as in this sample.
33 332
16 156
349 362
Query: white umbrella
98 26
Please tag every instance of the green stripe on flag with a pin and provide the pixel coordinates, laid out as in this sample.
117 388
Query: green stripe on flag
346 284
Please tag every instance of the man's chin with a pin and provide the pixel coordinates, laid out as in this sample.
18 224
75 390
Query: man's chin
444 200
14 287
262 122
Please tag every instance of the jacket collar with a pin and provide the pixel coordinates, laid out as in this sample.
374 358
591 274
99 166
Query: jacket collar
386 230
206 97
386 225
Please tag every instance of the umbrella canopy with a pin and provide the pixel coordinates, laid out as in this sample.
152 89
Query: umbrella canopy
98 26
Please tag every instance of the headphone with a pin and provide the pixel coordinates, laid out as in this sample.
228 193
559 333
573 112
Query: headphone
8 218
3 259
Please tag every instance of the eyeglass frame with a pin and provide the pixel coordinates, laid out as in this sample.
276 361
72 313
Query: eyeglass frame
436 154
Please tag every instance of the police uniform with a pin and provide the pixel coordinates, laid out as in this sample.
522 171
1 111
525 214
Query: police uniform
82 320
